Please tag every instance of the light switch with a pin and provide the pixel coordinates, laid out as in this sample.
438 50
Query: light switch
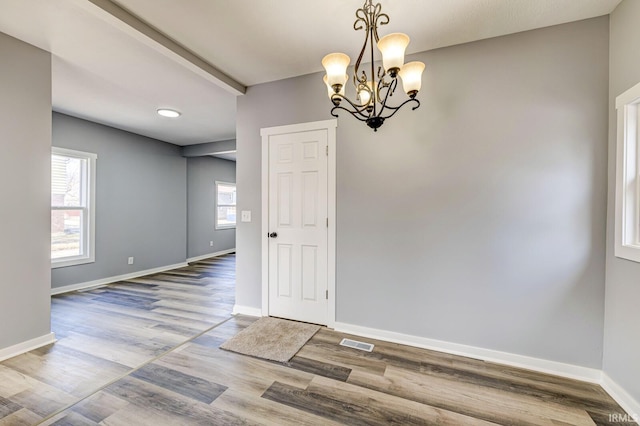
246 216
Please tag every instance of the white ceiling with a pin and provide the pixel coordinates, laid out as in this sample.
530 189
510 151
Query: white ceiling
107 71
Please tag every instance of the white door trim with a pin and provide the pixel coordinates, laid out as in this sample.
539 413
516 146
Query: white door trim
265 133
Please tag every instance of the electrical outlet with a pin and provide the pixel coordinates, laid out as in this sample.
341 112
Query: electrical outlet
130 260
210 243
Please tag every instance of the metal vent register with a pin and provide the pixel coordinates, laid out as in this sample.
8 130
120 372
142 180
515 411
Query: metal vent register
357 345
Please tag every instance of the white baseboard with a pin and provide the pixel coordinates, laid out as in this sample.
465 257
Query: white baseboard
206 256
246 310
544 366
27 346
622 397
109 280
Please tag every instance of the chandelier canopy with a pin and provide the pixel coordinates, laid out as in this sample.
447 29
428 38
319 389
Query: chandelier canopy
373 94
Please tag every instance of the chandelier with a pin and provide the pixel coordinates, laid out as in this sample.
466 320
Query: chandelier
373 94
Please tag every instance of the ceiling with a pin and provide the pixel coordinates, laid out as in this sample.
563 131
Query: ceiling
117 62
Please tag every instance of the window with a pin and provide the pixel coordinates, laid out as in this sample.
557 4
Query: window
72 207
225 205
627 245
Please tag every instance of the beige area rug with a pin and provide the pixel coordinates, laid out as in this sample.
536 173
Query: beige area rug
271 338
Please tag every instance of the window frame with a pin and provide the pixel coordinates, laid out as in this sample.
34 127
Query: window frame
88 229
217 225
627 217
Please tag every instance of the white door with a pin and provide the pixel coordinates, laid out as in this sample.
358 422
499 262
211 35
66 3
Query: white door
297 210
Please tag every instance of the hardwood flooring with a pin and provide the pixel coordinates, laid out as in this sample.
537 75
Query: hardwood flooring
146 352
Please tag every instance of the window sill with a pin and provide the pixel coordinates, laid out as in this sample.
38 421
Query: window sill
218 228
627 252
71 262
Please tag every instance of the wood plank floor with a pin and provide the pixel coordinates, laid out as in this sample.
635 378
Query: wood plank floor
146 352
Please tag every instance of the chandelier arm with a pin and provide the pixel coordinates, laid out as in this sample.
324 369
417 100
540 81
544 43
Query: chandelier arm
363 21
356 115
373 30
378 20
361 17
361 110
396 109
391 88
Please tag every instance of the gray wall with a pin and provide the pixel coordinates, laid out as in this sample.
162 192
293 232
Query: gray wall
141 205
202 173
477 219
622 315
265 105
25 173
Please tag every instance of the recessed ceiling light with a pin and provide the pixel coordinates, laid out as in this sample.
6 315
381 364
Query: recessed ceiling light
168 113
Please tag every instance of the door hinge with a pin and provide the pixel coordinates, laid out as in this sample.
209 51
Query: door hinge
327 222
327 150
326 294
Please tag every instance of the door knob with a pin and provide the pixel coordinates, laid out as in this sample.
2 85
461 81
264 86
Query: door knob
273 235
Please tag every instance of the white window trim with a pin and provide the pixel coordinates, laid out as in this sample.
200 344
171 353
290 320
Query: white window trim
216 206
627 218
90 226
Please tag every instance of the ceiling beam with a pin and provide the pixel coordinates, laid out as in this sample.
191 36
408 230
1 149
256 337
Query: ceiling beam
209 148
140 30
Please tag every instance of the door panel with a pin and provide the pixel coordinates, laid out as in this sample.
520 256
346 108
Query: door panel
284 199
285 272
309 273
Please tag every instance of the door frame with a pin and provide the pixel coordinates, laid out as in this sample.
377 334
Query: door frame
331 127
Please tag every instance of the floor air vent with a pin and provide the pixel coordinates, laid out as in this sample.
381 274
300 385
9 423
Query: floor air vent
357 345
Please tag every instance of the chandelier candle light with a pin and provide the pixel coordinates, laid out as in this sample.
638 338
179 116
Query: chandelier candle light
372 95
